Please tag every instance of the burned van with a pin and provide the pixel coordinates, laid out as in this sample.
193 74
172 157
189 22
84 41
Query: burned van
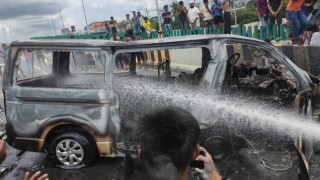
76 99
59 99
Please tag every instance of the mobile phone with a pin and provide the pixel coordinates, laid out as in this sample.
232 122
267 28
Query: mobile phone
198 164
2 136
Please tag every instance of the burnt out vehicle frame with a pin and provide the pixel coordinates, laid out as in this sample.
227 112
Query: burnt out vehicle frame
37 134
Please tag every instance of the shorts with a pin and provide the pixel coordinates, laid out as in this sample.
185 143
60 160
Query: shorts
114 30
130 32
218 19
209 23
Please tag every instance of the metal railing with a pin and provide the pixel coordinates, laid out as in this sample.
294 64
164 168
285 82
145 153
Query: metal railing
274 32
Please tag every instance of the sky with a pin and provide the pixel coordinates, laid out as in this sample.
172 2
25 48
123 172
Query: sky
22 19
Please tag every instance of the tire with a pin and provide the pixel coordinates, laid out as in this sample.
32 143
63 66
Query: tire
71 150
218 141
218 148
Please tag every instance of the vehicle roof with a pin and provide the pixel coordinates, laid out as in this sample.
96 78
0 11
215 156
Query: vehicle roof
109 43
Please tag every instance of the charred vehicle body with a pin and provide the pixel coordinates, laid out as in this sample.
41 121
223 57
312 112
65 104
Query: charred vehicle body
63 97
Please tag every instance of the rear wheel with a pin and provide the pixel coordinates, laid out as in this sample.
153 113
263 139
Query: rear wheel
71 151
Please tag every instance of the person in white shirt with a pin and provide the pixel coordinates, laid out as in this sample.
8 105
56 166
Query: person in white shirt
315 39
128 25
193 16
206 14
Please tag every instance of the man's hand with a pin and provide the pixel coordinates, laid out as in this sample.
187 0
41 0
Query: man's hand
3 151
209 172
274 14
35 176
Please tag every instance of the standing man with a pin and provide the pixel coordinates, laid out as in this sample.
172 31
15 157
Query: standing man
113 25
206 14
275 7
227 16
262 7
193 16
128 25
141 20
182 14
135 22
297 18
4 51
166 15
217 15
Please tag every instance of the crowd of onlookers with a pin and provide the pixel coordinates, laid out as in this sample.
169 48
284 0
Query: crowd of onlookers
302 15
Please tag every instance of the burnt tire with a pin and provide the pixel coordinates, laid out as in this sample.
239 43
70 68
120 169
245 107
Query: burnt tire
71 150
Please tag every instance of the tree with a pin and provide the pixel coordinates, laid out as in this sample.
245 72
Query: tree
247 15
250 13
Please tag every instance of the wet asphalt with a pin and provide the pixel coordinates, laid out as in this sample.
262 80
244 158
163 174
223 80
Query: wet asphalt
242 164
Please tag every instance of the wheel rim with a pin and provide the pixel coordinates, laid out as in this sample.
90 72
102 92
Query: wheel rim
69 152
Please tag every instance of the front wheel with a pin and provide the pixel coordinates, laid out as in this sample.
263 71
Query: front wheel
71 151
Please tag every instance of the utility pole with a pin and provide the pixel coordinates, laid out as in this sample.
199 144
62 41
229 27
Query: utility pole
159 18
54 28
57 4
49 27
15 34
85 16
4 32
235 14
10 33
62 20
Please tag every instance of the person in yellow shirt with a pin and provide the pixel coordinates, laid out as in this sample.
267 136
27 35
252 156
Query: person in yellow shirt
148 26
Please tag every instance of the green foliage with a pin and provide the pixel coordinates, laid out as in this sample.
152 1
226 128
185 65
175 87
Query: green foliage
247 15
175 23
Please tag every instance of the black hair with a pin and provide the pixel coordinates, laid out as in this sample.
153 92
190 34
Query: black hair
313 28
169 131
205 1
180 2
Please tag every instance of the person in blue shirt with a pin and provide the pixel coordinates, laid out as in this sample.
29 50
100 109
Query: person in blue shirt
217 15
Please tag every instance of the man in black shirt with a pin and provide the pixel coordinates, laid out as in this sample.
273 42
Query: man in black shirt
182 14
166 15
274 7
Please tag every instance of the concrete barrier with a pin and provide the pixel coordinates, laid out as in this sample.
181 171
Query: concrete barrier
305 57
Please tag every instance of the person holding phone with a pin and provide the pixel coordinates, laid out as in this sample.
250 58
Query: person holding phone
183 15
169 138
